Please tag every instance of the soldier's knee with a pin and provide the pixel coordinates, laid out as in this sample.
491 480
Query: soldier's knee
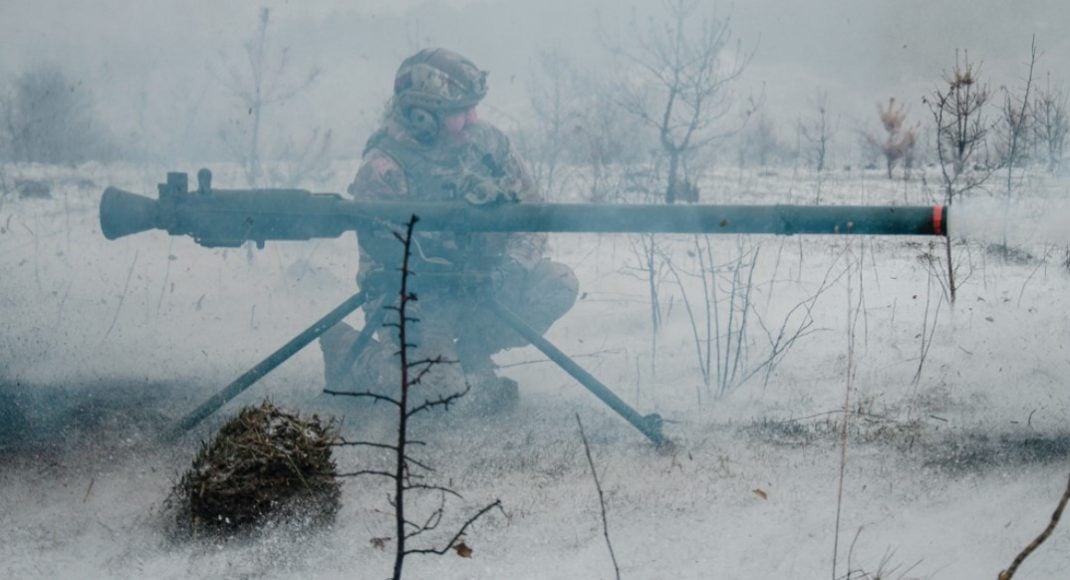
556 288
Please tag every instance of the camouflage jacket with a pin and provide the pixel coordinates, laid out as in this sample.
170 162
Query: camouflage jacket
397 167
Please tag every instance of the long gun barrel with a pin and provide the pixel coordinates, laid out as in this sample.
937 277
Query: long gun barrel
229 217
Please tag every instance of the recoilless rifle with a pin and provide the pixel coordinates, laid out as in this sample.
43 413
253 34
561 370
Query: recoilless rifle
231 217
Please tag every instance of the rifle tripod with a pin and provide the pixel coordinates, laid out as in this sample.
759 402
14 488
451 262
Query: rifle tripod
649 425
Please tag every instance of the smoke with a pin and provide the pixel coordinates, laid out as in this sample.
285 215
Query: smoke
1041 222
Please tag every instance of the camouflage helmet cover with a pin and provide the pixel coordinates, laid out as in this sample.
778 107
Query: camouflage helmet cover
438 79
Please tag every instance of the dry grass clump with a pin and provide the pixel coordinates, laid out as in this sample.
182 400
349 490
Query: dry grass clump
264 466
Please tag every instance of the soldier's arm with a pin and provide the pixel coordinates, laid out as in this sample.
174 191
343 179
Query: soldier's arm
527 249
379 178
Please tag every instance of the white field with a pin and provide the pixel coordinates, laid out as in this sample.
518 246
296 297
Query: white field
103 344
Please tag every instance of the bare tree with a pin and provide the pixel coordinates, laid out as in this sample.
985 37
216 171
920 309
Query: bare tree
300 163
557 107
408 473
961 131
579 122
1015 119
818 130
47 117
264 83
1051 123
759 143
961 127
684 69
1015 125
898 142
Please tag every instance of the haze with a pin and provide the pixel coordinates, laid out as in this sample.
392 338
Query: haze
156 70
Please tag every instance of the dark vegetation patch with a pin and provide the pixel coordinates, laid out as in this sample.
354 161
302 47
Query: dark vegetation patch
1010 254
264 467
938 447
117 413
865 428
979 451
33 189
14 425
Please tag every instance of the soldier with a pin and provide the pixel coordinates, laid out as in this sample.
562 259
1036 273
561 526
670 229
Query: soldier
433 147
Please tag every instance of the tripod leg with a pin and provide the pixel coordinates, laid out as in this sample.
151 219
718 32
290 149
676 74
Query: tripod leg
649 425
265 366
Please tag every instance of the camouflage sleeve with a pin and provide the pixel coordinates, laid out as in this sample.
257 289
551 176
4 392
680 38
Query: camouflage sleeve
379 178
526 249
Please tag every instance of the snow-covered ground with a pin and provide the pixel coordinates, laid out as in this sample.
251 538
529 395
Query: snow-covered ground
950 470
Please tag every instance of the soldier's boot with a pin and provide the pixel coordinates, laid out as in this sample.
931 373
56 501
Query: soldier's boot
493 395
489 393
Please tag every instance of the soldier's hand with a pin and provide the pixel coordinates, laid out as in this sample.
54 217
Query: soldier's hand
479 190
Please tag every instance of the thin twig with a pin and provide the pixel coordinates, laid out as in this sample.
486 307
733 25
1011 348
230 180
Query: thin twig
122 298
453 541
1009 572
429 487
364 394
852 319
444 401
702 366
601 496
368 472
1042 262
166 277
927 332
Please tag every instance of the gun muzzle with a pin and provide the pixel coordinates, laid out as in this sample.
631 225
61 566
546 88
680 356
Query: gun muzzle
123 213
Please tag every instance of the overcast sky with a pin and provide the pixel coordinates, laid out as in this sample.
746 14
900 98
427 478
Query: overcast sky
150 63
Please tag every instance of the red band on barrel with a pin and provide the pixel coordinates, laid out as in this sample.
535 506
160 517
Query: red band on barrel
938 220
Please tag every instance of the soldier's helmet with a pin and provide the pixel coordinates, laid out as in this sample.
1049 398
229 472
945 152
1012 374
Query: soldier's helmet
437 79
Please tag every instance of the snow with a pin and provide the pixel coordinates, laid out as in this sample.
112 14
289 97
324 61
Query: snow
105 343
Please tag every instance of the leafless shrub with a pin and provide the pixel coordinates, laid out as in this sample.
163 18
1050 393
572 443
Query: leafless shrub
961 131
303 163
1051 123
898 142
558 133
961 127
682 72
928 323
264 83
48 117
759 143
649 268
722 322
886 569
818 130
1015 132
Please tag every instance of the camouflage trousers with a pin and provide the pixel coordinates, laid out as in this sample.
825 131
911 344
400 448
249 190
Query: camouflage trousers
456 325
